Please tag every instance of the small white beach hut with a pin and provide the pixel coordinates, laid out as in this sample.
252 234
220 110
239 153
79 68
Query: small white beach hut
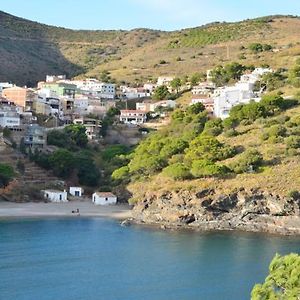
76 191
56 196
104 198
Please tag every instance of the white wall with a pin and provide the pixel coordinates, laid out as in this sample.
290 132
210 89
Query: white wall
74 189
103 200
56 196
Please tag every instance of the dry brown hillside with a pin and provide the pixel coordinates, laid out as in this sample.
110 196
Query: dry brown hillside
29 50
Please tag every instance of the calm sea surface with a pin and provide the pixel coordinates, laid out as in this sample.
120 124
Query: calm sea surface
70 259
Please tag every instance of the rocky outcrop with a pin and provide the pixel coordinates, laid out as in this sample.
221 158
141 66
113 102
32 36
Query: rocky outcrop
209 209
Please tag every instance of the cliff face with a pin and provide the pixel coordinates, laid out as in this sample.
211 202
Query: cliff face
252 210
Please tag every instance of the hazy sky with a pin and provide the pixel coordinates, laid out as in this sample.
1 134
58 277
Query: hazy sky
156 14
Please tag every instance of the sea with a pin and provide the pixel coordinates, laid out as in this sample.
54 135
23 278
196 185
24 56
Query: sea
95 258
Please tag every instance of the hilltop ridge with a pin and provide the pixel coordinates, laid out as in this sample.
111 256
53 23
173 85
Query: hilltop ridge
30 50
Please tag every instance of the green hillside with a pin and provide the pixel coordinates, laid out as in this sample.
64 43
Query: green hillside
255 149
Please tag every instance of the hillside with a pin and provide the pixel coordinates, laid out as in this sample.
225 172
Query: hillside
29 50
240 173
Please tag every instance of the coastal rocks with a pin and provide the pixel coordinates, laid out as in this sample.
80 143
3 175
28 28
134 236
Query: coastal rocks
209 209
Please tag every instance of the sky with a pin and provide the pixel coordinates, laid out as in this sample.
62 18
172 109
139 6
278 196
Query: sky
155 14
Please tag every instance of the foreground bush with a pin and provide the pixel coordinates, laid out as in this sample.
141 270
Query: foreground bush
283 281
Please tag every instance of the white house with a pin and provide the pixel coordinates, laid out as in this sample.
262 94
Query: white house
104 198
56 196
150 107
241 93
134 93
9 115
133 116
164 81
76 191
54 78
97 88
204 88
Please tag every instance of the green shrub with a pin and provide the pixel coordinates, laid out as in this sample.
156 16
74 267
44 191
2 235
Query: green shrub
292 142
172 147
6 174
213 127
230 123
294 194
248 161
112 151
206 147
177 171
6 132
62 162
277 131
121 173
291 152
87 172
230 133
206 168
283 281
295 120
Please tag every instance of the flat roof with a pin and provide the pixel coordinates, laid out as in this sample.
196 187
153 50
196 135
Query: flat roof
105 194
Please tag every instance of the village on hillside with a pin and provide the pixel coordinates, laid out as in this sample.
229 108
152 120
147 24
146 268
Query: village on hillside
28 115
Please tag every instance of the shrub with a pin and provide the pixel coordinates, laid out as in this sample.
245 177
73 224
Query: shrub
206 147
230 133
177 171
294 194
6 174
195 108
121 173
295 121
230 123
250 160
62 162
174 146
283 279
87 172
206 168
213 127
277 131
112 151
161 93
6 132
292 142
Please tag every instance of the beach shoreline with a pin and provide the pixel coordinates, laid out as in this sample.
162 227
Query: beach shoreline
10 210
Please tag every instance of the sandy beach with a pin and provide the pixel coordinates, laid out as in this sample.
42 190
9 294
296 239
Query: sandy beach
86 209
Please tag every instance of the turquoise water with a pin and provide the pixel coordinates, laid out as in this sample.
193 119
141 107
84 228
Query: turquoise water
70 259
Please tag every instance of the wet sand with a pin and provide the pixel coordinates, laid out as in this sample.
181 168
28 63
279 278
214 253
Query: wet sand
86 209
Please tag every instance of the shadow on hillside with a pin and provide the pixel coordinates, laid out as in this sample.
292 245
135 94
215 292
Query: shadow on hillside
25 62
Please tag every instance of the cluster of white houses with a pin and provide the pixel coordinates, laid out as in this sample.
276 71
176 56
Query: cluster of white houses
219 101
67 101
98 198
87 101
